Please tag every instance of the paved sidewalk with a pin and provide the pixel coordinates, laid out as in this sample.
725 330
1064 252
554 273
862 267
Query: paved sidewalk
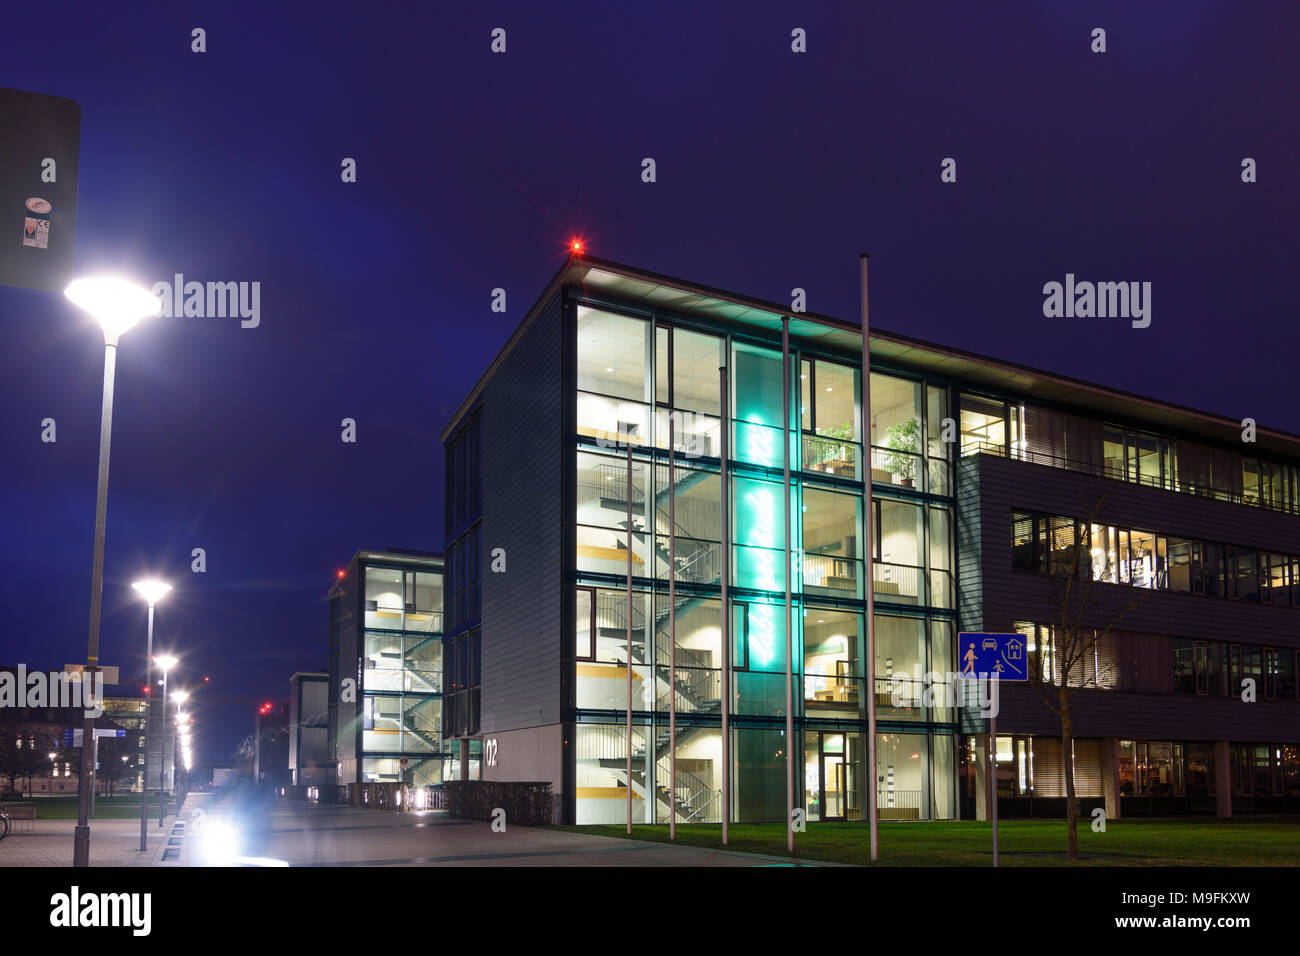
112 843
308 835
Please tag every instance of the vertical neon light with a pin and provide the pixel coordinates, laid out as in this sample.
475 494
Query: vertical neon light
758 520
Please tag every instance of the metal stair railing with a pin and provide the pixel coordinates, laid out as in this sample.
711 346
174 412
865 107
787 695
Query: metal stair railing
423 728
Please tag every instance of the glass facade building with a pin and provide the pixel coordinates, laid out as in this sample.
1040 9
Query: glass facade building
386 673
637 380
635 429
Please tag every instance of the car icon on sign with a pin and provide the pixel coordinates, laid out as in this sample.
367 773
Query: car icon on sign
989 644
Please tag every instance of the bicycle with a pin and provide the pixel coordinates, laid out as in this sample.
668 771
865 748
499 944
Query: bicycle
4 823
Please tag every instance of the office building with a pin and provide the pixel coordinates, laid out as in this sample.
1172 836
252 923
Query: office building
983 474
385 679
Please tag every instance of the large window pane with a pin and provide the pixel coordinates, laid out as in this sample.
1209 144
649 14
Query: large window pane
831 527
1104 548
696 510
941 589
835 405
832 675
611 354
903 771
756 383
899 570
983 425
1142 559
759 534
760 688
900 667
895 430
699 654
603 491
696 358
939 469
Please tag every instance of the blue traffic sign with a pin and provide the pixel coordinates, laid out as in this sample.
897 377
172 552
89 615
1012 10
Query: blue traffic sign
983 655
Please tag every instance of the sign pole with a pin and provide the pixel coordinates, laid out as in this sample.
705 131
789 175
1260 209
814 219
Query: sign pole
869 586
629 632
998 657
724 553
993 758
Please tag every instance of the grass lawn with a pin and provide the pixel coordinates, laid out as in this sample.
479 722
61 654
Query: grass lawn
119 807
1262 841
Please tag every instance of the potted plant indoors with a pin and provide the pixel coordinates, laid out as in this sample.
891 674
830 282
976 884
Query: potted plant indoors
904 441
835 452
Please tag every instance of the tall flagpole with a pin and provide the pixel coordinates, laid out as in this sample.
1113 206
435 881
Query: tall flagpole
672 635
724 549
628 438
868 517
789 641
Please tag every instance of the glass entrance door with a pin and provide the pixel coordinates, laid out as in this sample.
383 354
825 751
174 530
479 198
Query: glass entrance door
833 783
826 777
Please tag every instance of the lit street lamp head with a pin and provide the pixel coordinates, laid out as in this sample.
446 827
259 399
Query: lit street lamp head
152 591
166 662
116 303
180 696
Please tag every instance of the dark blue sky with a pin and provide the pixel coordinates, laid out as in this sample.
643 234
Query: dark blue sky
774 171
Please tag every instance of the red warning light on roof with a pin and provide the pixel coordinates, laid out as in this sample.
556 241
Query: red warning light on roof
342 572
576 246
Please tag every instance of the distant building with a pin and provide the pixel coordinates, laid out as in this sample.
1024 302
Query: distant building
310 764
386 676
270 763
31 734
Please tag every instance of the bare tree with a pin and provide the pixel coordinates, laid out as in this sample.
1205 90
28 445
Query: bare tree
112 768
1076 652
10 759
32 762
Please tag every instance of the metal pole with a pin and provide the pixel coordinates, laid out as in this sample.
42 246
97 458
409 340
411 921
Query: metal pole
672 634
725 552
81 833
993 758
629 634
95 763
789 641
868 521
162 756
148 713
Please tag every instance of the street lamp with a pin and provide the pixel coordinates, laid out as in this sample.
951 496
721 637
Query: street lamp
54 771
152 591
166 662
118 305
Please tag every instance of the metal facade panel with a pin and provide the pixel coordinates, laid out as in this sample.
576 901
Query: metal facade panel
522 450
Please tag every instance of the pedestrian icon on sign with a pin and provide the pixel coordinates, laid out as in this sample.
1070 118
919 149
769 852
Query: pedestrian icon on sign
990 655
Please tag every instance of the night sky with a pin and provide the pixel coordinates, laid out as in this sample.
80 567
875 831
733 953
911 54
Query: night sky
775 169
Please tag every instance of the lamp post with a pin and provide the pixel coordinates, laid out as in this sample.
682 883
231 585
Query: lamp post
166 662
153 592
180 696
118 305
54 771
